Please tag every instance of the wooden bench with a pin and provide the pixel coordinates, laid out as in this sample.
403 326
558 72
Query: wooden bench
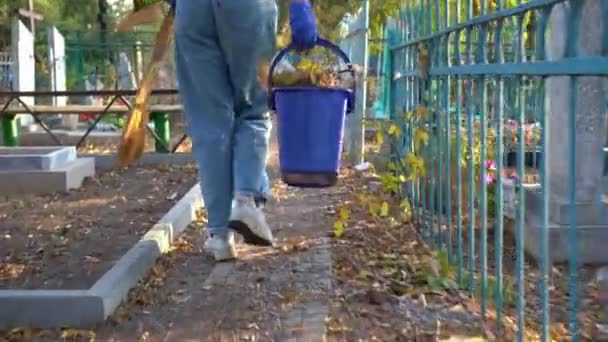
82 109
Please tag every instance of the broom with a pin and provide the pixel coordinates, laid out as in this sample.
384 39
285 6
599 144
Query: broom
134 132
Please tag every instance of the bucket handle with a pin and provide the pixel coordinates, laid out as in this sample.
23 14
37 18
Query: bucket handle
323 43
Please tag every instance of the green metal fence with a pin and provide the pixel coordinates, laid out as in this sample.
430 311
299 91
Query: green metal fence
101 57
479 88
94 53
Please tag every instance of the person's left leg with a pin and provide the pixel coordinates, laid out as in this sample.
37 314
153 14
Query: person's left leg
247 33
207 97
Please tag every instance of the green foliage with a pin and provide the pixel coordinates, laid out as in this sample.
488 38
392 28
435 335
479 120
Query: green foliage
508 287
491 196
330 12
437 273
391 182
465 151
411 166
66 15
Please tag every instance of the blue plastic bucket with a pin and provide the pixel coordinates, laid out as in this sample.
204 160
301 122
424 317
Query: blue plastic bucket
311 130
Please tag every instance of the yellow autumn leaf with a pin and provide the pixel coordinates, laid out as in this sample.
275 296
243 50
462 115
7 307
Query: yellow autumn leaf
411 159
384 210
394 130
343 213
283 40
422 112
421 137
364 275
379 137
338 229
361 197
372 168
19 334
415 164
374 209
73 334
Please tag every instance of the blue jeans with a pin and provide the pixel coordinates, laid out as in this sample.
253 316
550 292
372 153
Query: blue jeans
218 44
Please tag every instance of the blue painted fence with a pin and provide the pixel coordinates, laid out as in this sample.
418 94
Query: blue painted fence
504 104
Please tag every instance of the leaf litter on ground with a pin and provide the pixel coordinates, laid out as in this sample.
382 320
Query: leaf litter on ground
391 284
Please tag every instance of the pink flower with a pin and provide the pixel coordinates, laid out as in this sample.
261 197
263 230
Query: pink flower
490 165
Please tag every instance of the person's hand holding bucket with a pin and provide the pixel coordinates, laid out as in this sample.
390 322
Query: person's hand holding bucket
303 23
304 34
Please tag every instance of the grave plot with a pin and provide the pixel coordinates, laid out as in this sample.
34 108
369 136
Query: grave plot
67 241
42 169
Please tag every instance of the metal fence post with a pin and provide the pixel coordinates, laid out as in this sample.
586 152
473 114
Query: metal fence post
10 130
355 42
162 128
358 129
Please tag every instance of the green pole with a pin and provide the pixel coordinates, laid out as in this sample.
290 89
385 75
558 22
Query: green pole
162 128
10 130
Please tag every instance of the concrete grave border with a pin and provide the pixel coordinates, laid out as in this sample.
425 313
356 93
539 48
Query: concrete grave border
108 161
50 158
87 308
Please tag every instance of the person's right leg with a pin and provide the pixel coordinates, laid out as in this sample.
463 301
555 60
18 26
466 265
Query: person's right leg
207 98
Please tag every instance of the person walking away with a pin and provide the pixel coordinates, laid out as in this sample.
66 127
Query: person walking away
218 45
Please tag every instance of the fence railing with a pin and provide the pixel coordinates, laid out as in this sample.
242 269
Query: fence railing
116 102
507 148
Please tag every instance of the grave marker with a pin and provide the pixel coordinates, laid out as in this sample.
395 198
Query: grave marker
42 170
592 227
23 66
126 76
58 72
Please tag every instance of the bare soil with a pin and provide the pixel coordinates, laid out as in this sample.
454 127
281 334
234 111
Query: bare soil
69 240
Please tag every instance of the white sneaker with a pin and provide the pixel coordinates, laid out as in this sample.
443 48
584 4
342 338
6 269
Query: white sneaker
248 220
222 248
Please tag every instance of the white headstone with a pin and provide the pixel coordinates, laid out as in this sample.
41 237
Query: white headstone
57 60
88 86
58 73
24 64
126 77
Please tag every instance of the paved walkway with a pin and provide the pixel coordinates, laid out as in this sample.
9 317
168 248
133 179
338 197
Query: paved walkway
278 294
